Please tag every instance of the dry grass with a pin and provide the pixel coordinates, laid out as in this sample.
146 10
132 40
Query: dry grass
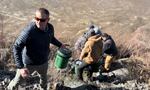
137 47
137 71
140 45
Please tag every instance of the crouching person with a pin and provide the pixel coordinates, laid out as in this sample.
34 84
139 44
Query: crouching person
79 44
109 50
90 54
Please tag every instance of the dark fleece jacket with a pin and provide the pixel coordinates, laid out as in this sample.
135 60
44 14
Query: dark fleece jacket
32 45
109 47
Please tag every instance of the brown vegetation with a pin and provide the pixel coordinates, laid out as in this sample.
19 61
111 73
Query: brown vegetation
118 18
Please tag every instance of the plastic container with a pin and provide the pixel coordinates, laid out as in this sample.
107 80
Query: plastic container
62 57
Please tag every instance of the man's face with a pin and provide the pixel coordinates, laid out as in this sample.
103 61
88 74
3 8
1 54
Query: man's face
41 20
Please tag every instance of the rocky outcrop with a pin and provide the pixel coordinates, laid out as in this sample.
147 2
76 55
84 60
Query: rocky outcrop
121 81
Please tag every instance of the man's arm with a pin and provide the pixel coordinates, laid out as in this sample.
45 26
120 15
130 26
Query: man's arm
84 52
18 47
56 42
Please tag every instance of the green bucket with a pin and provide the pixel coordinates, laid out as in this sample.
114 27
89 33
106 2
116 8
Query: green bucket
62 57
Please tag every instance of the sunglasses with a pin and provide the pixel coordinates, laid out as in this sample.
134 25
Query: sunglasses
41 20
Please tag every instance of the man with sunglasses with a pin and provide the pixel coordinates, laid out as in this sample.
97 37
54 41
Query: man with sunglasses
31 49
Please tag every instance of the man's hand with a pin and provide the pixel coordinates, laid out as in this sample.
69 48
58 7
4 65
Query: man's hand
64 45
24 72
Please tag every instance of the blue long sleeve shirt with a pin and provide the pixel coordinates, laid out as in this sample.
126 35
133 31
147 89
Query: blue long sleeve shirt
32 45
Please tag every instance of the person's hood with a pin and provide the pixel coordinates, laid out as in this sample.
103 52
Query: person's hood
95 38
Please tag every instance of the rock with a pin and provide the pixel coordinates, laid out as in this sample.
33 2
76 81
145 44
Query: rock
121 73
134 85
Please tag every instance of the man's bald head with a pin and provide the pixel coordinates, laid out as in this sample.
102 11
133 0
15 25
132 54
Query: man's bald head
44 13
41 18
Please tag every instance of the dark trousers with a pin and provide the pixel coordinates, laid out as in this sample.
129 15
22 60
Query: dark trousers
41 69
81 67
